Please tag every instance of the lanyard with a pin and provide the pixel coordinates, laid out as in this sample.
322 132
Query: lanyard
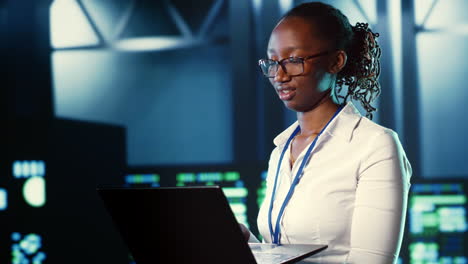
275 233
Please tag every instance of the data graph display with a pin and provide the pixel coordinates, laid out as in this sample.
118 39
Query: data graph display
32 174
3 199
148 179
438 223
230 182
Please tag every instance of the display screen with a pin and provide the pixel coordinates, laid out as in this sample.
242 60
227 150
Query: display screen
230 182
437 223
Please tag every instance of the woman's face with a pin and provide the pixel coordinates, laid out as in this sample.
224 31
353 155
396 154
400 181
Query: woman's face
294 37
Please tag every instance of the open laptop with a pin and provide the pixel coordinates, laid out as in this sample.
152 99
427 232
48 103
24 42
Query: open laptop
189 225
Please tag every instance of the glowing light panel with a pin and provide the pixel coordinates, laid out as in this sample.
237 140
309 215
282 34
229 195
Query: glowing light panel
151 43
69 27
285 5
26 168
3 199
34 191
26 249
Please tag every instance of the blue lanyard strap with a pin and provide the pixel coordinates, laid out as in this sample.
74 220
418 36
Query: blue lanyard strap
276 233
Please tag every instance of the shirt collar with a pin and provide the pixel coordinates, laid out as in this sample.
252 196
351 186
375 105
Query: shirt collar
342 126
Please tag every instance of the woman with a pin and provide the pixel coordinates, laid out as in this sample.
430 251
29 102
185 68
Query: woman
335 177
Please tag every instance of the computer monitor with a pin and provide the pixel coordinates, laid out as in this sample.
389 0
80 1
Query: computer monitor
437 222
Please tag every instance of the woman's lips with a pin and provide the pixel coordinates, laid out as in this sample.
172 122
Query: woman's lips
286 94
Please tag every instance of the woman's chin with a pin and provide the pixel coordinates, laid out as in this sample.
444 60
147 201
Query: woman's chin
293 106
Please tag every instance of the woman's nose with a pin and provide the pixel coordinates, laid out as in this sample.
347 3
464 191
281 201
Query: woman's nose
281 75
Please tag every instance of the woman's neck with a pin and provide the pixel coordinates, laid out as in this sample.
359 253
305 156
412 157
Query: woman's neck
313 121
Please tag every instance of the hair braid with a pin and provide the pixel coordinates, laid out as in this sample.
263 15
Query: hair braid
361 73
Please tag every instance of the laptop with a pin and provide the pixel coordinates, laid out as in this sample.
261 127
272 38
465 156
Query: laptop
189 225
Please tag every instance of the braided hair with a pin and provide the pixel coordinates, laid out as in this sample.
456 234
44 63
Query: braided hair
362 69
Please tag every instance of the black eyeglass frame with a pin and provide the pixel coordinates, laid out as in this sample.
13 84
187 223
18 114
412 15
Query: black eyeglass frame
281 63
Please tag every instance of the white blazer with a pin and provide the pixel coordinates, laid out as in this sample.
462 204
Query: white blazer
352 195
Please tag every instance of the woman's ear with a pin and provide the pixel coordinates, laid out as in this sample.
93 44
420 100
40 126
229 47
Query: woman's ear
338 62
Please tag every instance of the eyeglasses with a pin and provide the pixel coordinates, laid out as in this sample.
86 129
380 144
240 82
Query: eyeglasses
292 66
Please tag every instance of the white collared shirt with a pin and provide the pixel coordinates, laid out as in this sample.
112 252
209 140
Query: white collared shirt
352 195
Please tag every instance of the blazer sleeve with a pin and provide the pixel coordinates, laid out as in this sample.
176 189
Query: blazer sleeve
381 199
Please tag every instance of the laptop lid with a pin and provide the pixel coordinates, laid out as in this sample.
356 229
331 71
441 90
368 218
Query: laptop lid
177 225
188 225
